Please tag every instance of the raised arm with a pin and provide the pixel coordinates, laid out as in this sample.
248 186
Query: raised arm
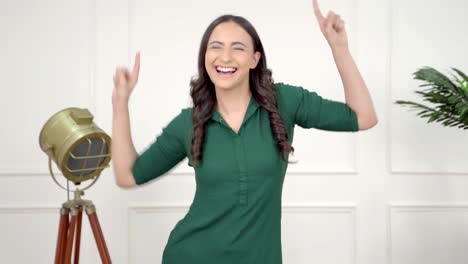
122 149
356 92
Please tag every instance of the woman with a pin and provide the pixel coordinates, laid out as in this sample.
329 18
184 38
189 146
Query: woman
237 137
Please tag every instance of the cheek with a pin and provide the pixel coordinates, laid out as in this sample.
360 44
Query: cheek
207 64
210 55
208 60
245 62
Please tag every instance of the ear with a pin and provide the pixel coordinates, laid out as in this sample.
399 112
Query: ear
256 58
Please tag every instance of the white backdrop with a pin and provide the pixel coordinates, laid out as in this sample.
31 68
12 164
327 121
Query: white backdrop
395 194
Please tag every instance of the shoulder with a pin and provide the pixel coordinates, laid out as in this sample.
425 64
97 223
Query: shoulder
292 95
289 98
180 123
286 90
183 117
186 114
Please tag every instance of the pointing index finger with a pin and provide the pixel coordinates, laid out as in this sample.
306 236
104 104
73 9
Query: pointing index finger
136 67
317 12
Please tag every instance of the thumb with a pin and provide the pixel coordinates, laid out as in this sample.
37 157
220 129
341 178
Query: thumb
136 67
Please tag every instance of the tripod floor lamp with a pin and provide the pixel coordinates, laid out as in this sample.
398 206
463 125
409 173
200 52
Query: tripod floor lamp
81 150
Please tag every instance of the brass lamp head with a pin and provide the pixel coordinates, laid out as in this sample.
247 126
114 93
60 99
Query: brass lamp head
79 147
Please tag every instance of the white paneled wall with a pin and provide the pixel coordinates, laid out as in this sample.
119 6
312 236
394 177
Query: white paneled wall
29 230
323 230
395 194
428 36
49 63
428 233
162 220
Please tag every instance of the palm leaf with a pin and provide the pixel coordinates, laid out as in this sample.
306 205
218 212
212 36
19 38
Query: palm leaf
450 98
464 77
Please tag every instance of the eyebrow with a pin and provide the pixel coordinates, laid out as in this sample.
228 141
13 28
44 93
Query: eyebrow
232 44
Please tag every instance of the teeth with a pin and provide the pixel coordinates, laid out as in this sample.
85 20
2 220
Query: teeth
223 69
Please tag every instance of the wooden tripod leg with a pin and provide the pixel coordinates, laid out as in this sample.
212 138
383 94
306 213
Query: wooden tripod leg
78 236
98 236
71 235
62 235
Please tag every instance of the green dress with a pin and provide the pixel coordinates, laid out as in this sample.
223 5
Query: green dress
235 216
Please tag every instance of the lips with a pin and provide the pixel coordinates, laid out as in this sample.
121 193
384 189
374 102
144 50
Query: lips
225 70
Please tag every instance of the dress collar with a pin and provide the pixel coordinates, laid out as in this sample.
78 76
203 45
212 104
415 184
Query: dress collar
253 105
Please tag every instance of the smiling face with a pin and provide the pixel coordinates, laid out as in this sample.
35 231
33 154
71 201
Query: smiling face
230 56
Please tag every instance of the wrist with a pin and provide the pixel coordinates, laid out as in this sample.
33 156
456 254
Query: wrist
340 52
120 106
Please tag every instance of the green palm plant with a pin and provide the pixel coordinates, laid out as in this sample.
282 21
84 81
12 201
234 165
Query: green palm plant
450 97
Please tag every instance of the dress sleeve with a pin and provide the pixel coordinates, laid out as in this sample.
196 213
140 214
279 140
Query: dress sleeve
309 110
164 153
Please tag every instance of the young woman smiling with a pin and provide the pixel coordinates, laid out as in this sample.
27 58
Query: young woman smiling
237 137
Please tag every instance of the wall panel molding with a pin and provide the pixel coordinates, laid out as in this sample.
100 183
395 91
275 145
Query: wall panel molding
395 209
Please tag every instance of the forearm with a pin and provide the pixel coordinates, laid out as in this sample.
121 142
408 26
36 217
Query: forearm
122 149
356 92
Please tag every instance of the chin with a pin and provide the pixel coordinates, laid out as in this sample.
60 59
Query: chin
225 86
223 83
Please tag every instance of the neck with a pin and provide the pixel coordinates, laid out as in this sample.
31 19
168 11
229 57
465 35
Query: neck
232 101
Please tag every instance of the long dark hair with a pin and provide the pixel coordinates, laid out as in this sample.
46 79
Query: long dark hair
203 93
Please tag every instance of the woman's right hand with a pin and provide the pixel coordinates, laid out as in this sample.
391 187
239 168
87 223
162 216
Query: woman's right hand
125 82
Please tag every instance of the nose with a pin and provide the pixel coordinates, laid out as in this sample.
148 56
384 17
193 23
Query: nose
226 55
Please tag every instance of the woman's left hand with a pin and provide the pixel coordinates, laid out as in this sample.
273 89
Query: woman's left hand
333 29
